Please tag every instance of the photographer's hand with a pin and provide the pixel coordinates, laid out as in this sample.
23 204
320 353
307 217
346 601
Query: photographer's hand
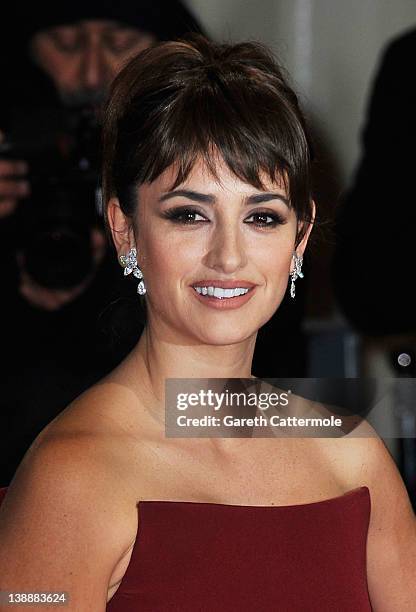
13 185
49 299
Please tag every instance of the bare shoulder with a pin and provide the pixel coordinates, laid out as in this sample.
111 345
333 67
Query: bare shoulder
105 407
360 456
69 515
364 459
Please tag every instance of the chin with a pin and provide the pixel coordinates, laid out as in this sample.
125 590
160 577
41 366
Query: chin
224 333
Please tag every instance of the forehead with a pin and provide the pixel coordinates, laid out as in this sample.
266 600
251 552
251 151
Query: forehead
91 25
201 179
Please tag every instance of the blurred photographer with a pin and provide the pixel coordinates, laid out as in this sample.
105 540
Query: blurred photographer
57 274
56 68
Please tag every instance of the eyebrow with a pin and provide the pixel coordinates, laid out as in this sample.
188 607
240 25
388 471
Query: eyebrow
207 198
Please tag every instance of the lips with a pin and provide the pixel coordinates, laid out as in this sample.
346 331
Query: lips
225 284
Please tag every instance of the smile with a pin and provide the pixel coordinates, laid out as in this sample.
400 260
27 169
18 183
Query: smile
222 297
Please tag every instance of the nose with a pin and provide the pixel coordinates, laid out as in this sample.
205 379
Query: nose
227 253
93 66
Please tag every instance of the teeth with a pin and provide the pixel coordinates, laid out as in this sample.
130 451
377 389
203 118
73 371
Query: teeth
221 293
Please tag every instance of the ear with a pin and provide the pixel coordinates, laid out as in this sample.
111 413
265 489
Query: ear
302 245
121 227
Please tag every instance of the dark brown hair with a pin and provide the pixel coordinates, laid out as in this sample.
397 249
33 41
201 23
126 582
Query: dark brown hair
180 100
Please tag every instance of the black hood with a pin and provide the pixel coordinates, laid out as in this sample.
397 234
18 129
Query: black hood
23 83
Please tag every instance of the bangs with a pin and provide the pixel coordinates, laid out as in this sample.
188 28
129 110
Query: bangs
240 124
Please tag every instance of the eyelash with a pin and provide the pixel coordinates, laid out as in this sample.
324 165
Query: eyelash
175 214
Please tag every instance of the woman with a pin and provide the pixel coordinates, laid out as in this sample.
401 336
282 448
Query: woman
207 185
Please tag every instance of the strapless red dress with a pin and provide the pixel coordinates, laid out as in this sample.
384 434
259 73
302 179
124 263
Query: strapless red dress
208 557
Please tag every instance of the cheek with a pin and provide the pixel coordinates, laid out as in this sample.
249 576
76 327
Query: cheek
171 258
273 257
63 70
115 62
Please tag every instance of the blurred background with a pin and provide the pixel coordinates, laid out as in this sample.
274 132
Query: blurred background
68 315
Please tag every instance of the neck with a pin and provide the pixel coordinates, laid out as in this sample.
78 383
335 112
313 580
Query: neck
156 358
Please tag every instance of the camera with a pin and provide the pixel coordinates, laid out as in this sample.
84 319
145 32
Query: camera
54 223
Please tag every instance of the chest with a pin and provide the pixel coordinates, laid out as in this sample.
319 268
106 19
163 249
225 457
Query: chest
265 473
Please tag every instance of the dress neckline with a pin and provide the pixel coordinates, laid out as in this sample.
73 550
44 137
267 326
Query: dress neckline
358 490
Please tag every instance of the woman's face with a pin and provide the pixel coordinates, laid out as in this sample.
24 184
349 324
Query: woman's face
206 233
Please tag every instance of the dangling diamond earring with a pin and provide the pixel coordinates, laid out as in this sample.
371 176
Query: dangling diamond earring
296 272
129 262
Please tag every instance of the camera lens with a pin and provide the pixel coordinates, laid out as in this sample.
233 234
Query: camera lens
59 259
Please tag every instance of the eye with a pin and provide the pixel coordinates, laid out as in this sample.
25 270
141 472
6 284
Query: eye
122 39
184 215
67 39
266 219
